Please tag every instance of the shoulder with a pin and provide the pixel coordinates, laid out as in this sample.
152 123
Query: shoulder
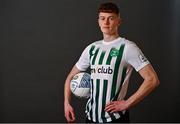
99 42
92 45
129 45
96 43
128 42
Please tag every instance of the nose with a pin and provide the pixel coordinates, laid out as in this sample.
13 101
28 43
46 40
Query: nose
107 21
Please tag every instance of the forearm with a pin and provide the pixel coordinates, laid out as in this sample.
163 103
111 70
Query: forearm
67 92
147 87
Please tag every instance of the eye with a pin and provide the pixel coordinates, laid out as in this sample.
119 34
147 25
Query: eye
101 18
111 18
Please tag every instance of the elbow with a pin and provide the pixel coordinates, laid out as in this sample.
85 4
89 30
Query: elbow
158 82
155 82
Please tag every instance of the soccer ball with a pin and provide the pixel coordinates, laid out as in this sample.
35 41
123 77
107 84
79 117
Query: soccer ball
80 85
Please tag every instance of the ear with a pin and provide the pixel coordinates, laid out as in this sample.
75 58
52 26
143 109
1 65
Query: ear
98 22
119 21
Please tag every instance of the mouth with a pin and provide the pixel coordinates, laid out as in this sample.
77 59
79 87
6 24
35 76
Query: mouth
106 27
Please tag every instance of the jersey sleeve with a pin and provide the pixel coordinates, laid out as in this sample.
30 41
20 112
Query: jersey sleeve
84 61
135 57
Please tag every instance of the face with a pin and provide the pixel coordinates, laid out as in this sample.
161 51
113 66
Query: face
109 23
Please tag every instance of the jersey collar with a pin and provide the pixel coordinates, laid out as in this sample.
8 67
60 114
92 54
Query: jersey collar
111 42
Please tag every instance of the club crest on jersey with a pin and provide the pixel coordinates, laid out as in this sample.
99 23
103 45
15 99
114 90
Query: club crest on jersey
114 52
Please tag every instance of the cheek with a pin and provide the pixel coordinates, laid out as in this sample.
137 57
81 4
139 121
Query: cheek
113 26
99 23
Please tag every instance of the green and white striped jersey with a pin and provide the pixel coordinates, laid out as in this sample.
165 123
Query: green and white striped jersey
111 65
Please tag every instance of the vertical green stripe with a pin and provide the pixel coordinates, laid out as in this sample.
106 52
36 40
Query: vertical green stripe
108 62
101 58
90 51
116 68
97 98
95 55
122 80
104 99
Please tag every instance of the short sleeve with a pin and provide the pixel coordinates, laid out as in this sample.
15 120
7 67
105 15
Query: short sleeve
135 57
84 61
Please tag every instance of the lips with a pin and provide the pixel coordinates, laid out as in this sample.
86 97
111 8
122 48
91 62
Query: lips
105 27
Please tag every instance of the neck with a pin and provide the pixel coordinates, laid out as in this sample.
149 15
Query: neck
109 38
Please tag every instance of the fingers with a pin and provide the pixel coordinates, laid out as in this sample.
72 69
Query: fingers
72 116
108 103
115 106
69 114
110 107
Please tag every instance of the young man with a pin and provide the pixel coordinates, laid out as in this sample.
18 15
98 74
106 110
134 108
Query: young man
111 61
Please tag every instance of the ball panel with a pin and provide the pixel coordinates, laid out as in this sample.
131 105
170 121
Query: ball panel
80 85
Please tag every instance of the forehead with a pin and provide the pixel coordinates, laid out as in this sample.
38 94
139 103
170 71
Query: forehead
105 14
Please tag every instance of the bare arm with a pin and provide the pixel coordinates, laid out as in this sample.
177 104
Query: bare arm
67 92
68 110
150 82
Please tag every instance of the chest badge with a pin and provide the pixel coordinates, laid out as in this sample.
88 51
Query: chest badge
114 52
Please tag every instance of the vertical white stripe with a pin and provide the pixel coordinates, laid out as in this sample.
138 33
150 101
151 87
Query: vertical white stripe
106 55
98 56
117 115
94 104
108 119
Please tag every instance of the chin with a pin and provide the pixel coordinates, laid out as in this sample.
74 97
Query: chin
107 33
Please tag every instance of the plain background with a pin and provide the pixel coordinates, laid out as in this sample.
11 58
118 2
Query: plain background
40 41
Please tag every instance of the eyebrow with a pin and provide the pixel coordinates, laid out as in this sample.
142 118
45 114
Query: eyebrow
107 17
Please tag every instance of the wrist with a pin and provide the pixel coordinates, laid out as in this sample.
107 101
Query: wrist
66 102
128 104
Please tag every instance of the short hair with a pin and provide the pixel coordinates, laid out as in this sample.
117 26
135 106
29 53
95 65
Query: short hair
108 8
